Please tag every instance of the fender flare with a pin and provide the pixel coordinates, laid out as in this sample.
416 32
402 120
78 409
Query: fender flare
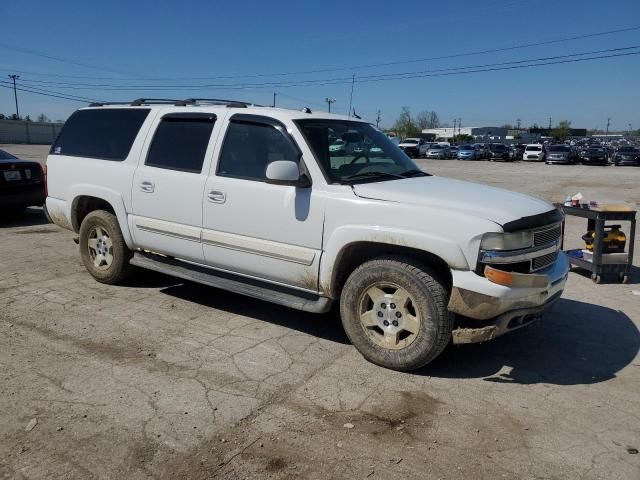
110 196
345 236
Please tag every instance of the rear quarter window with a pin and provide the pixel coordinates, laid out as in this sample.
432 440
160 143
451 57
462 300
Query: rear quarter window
101 133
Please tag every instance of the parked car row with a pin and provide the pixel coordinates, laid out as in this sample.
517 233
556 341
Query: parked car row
562 153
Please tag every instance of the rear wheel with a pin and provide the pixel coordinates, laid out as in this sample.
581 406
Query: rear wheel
103 249
394 311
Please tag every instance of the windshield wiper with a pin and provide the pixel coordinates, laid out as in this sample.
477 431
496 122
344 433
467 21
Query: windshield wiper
413 173
359 176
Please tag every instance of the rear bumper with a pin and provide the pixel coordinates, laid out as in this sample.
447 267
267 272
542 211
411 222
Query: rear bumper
23 196
488 310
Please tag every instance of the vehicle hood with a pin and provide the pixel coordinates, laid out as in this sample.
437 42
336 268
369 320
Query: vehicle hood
408 145
480 201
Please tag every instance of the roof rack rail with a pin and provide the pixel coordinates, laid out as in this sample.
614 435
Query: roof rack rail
160 101
220 101
179 103
143 101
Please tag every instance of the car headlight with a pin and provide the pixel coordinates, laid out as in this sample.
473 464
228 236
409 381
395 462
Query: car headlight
507 241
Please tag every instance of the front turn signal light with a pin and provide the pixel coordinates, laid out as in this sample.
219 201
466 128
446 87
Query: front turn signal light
515 280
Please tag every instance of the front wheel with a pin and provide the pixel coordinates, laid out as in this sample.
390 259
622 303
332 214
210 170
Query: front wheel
394 311
103 249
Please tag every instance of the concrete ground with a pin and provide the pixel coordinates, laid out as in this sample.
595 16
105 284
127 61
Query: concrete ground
164 379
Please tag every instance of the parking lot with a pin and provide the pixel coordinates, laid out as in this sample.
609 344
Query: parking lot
164 379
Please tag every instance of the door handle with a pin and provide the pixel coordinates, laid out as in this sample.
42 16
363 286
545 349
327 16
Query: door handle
147 187
216 196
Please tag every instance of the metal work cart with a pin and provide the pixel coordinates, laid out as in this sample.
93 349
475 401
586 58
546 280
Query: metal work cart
596 221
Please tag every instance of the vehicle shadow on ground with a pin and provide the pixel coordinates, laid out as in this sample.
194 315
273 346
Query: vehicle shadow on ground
326 326
576 343
32 216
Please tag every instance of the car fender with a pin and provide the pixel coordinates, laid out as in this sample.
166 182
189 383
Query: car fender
347 235
113 197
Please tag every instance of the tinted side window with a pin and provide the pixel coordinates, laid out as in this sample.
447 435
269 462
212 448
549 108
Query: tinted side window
106 133
249 147
180 143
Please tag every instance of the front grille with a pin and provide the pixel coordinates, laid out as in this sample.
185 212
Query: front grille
547 236
539 263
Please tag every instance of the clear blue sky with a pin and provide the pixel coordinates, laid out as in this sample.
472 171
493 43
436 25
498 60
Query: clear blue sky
126 43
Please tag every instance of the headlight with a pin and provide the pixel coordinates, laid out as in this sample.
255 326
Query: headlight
507 241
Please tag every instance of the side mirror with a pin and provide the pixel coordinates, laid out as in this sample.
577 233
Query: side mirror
286 172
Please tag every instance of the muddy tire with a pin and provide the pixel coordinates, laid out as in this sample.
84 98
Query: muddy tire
102 248
394 311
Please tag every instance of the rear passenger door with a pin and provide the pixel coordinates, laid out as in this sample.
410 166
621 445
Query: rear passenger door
169 182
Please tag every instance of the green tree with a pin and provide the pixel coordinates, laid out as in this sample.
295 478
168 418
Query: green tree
43 118
405 126
463 138
562 131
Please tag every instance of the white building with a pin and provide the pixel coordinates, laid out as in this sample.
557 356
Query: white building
479 133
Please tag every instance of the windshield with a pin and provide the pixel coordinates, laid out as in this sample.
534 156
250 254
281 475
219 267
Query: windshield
6 156
369 155
595 150
628 150
410 140
466 147
436 147
498 148
534 149
558 148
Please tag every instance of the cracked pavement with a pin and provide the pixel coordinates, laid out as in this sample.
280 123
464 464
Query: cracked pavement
160 378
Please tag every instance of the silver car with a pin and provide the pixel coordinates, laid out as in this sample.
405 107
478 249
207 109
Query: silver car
438 151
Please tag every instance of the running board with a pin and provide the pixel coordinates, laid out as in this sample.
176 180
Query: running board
288 297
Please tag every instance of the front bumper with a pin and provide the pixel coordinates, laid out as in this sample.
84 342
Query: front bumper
489 310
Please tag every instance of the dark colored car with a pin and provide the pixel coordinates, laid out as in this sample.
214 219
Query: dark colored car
22 184
559 154
627 156
499 151
594 156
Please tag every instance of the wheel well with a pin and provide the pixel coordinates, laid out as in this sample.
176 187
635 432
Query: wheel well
83 205
356 254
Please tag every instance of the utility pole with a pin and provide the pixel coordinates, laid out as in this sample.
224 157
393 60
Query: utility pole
549 123
459 126
15 94
608 122
378 118
630 129
353 80
329 102
274 98
453 137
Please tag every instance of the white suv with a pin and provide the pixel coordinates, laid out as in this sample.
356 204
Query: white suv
253 200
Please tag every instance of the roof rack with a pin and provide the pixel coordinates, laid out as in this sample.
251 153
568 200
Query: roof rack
143 101
179 103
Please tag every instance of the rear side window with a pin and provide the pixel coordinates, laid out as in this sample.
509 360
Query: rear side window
249 147
180 142
106 133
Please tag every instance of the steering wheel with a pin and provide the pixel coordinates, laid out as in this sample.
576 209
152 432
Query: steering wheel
360 155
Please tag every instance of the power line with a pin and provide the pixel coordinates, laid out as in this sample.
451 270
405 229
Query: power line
47 93
345 80
322 70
